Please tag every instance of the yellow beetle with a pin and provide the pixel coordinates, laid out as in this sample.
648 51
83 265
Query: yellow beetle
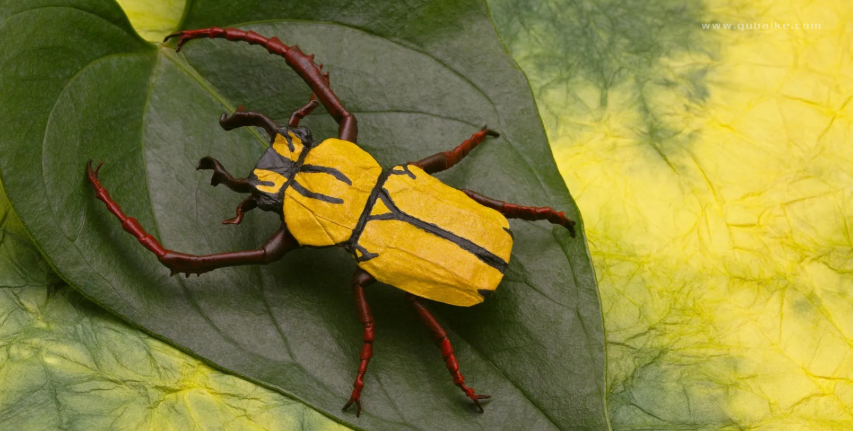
403 226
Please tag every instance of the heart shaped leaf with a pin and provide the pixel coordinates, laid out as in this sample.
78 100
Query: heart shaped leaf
79 83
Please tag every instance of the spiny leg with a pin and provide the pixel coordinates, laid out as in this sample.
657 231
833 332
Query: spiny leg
243 118
304 66
524 213
439 337
247 205
274 249
221 176
360 280
442 161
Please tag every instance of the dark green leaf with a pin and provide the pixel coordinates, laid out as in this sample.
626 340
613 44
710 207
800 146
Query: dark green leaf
421 77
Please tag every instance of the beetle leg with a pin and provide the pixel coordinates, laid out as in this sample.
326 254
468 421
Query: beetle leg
304 65
221 176
274 249
303 112
309 107
360 280
442 161
243 118
524 213
247 205
439 336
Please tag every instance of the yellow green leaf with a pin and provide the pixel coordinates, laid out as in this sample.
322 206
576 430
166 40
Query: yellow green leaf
714 171
153 19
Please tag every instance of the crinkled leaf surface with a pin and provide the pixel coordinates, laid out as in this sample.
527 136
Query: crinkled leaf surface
68 364
715 174
421 77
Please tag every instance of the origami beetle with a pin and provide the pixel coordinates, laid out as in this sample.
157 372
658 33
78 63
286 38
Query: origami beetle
403 226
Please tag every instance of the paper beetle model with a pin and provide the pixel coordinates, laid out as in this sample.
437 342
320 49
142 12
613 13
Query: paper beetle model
404 227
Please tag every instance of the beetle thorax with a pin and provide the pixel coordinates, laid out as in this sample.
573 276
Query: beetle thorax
321 189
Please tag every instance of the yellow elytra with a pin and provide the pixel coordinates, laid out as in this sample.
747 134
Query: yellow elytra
403 226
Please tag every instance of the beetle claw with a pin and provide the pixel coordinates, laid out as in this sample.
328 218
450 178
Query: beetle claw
490 132
183 36
474 396
234 220
357 400
93 173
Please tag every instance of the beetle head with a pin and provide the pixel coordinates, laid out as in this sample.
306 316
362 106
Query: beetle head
278 165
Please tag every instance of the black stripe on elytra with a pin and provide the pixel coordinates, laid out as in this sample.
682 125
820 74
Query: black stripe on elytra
509 232
404 171
484 255
296 168
386 216
319 196
350 244
392 210
327 170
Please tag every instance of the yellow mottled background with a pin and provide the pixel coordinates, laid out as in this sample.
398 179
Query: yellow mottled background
714 172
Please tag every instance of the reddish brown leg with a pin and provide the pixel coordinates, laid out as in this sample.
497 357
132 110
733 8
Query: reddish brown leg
360 280
440 338
524 213
303 112
441 161
247 205
303 64
309 107
221 176
243 118
274 249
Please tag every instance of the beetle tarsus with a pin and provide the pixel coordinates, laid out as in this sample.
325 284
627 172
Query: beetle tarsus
248 204
523 212
445 160
360 279
93 173
185 36
243 118
439 337
221 176
357 400
304 111
474 396
490 132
